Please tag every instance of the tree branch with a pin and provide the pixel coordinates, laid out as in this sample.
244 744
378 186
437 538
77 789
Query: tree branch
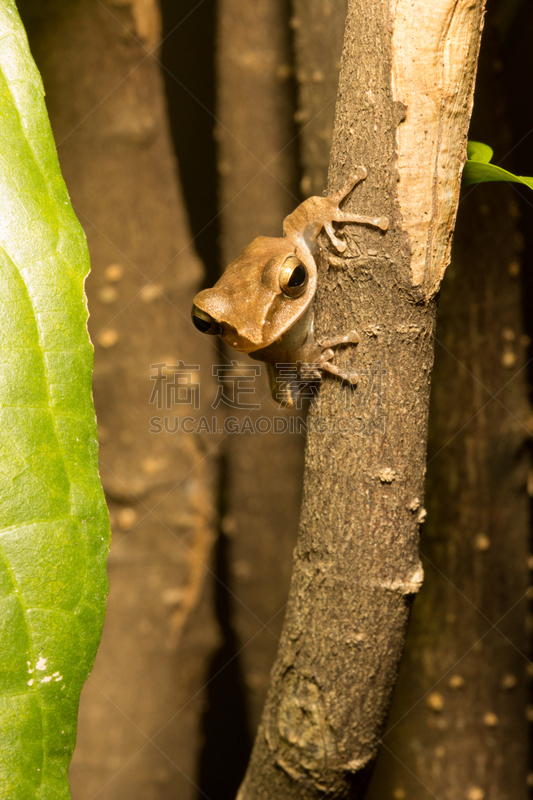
356 564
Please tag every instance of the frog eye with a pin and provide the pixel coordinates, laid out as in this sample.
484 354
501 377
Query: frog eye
293 277
204 323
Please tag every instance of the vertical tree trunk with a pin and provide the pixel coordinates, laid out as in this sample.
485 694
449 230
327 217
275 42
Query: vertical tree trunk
139 715
356 565
318 33
258 188
458 720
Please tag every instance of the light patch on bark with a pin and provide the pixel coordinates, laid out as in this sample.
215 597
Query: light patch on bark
147 20
300 733
431 53
387 475
409 586
200 549
148 23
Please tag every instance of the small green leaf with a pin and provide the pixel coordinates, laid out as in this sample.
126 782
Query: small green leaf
477 151
478 169
54 526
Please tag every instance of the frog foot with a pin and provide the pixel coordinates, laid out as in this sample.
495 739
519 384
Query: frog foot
352 337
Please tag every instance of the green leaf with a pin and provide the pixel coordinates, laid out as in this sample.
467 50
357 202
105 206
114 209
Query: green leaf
478 169
54 526
477 151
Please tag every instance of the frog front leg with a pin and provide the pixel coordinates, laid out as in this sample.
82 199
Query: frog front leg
305 223
338 215
324 360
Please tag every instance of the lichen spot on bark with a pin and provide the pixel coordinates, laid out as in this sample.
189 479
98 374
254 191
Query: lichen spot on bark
299 732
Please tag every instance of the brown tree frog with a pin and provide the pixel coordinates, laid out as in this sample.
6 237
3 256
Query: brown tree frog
263 303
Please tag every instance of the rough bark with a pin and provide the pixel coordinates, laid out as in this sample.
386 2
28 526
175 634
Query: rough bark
258 188
356 566
139 714
458 719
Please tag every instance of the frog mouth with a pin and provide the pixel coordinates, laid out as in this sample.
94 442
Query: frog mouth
239 343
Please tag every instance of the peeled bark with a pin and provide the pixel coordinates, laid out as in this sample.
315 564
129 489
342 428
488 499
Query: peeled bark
356 565
140 710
